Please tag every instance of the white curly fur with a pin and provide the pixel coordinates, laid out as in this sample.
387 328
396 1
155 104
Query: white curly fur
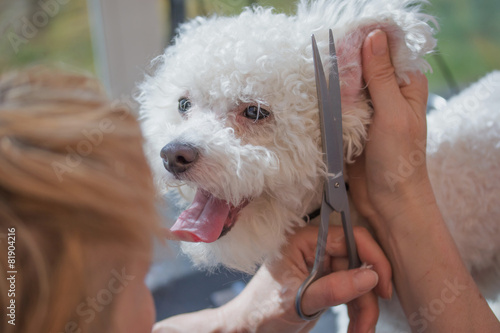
464 167
223 64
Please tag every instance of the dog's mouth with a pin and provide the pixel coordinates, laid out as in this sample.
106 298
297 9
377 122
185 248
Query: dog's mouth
207 218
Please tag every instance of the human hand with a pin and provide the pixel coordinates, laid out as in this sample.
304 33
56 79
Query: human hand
390 186
391 173
267 304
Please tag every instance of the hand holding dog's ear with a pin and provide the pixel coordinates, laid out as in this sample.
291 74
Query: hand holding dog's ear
377 179
390 186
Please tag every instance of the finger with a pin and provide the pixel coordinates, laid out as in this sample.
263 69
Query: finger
363 313
304 242
416 93
306 238
358 186
378 71
339 264
370 252
338 288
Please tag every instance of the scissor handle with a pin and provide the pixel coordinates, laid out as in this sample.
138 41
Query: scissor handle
352 252
298 299
319 260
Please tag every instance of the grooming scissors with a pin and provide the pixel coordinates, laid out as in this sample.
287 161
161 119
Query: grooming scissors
334 192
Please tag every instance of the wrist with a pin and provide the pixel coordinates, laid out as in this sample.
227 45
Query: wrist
265 305
398 210
415 226
243 313
230 317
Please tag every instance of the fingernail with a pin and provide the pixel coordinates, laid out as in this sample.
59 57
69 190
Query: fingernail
365 280
379 42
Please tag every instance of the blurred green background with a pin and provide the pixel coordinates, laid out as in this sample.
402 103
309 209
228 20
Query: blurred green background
469 36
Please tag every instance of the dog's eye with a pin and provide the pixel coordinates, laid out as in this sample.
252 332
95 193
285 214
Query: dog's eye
184 105
255 113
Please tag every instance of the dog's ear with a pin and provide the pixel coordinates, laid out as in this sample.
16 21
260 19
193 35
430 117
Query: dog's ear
407 45
409 34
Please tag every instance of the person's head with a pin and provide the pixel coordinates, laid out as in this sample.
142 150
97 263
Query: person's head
77 190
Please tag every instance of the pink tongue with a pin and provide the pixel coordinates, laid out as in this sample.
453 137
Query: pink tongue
203 221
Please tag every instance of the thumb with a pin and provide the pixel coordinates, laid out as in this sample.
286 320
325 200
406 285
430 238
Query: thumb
338 288
378 71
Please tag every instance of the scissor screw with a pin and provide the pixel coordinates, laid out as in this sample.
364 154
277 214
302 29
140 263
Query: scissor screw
337 185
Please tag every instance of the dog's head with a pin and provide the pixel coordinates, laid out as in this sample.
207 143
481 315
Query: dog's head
232 112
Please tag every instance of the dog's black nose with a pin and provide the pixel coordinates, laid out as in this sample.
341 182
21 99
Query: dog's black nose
178 157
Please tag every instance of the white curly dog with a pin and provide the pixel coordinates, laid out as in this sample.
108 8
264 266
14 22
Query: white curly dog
231 113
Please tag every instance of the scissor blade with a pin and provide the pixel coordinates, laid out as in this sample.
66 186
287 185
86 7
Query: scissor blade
322 93
334 94
327 117
328 101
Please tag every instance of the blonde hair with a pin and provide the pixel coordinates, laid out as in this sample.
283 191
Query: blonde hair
72 175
